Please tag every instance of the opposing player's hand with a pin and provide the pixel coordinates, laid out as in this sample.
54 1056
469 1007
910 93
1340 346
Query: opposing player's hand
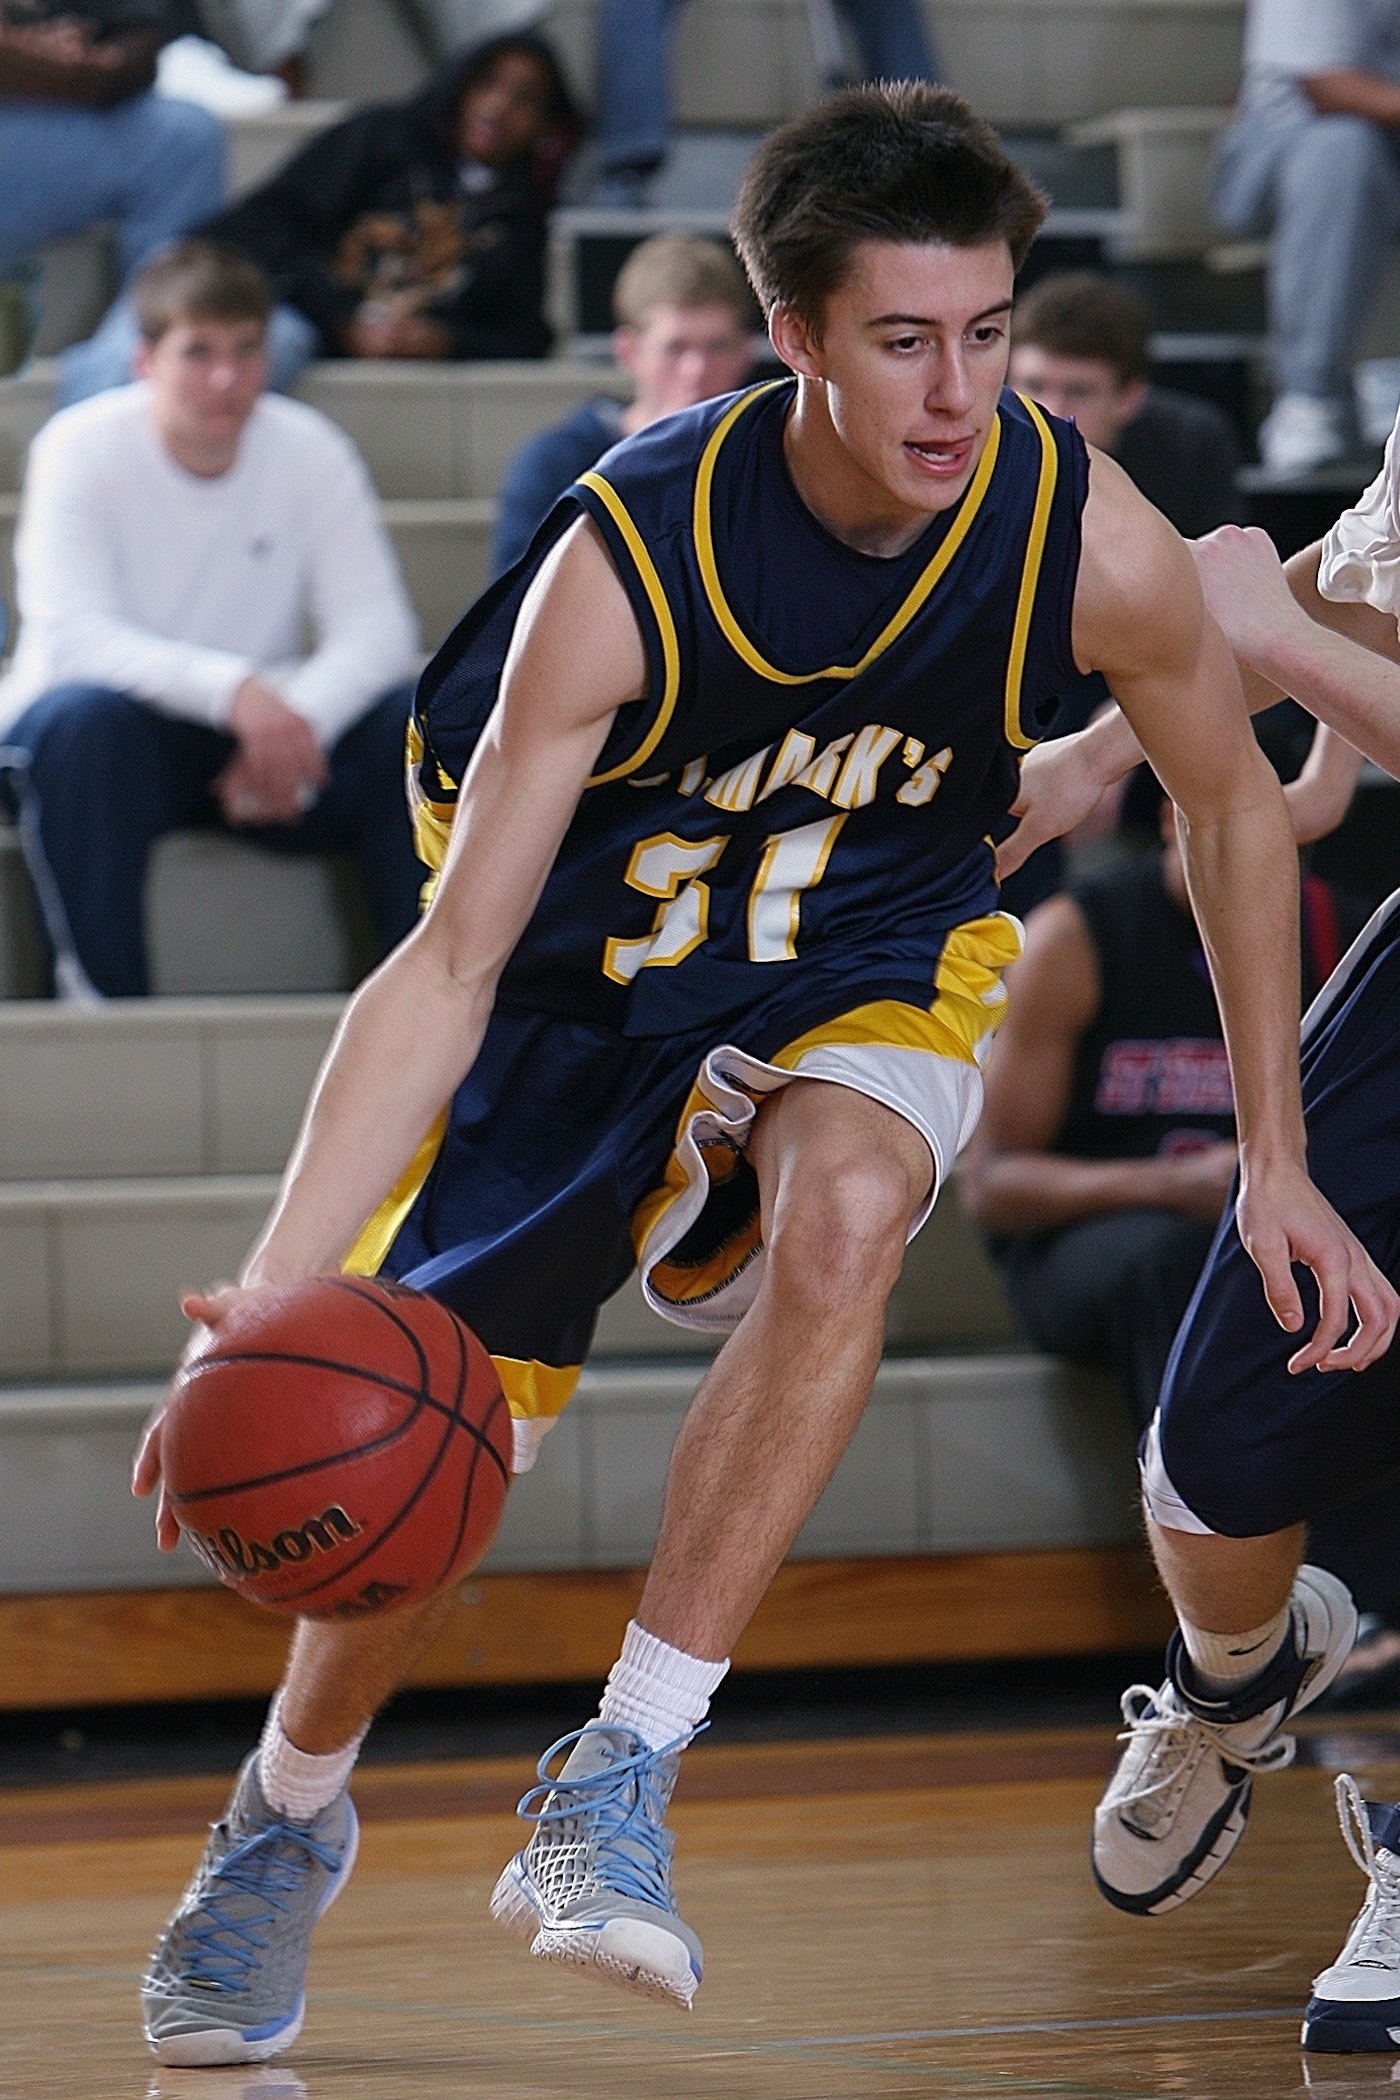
1060 787
1283 1220
208 1309
1246 590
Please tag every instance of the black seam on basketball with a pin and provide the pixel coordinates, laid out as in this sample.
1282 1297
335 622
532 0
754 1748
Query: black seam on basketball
464 1511
457 1328
371 1292
386 1531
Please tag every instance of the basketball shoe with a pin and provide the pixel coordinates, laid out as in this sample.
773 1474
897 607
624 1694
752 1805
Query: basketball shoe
593 1886
227 1981
1177 1802
1355 2004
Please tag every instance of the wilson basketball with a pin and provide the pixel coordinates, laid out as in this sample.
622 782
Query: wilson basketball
339 1447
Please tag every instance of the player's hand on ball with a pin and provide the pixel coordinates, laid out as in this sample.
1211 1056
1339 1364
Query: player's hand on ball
208 1309
1284 1220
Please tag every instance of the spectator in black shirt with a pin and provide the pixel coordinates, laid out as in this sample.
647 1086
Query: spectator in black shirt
1080 348
413 229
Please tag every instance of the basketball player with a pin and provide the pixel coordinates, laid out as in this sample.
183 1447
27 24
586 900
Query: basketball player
1242 1453
712 958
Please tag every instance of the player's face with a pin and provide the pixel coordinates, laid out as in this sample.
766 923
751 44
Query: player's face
910 361
205 378
1087 388
683 355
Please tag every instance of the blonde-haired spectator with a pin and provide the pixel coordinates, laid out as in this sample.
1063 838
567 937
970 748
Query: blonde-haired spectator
684 333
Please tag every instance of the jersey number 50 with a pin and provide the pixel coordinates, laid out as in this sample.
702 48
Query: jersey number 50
671 869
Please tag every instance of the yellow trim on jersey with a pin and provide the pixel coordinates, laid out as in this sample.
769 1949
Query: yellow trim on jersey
1030 576
431 821
969 1004
378 1234
535 1391
661 611
714 590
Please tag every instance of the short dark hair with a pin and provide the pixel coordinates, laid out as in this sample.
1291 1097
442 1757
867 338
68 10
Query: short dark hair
198 281
896 160
1077 313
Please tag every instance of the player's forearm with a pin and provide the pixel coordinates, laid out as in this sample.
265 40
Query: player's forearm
408 1038
1351 688
1040 1191
1242 870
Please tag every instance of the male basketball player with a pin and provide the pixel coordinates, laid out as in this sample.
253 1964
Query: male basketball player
1241 1452
713 955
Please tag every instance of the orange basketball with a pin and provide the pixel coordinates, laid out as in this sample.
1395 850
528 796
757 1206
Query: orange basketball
340 1447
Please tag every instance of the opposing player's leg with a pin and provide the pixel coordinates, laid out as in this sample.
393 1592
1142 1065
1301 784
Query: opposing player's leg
840 1178
226 1983
1242 1453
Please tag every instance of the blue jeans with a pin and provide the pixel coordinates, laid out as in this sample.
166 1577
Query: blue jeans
1326 190
153 166
104 360
634 96
112 776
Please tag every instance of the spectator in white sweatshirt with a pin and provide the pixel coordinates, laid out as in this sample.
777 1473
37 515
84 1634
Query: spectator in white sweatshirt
178 541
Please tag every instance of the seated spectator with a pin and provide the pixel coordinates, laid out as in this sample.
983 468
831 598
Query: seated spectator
177 539
1309 159
83 139
1080 347
411 230
634 71
1106 1149
683 334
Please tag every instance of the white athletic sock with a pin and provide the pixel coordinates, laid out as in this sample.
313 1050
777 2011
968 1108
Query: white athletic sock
1224 1661
658 1691
294 1782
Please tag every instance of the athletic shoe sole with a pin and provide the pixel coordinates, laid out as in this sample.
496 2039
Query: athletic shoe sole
635 1955
1336 2027
212 2046
1204 1864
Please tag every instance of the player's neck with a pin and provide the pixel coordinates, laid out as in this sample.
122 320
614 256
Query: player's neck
840 494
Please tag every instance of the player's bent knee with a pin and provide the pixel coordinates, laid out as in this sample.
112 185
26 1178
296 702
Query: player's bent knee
846 1227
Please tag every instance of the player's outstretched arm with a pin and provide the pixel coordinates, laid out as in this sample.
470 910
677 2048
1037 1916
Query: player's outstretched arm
411 1033
1339 660
1140 619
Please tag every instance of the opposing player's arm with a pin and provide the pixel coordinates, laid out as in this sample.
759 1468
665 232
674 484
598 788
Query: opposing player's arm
1010 1179
1140 618
412 1031
1341 661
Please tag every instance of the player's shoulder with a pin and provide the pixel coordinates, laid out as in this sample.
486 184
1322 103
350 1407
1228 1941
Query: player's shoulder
656 467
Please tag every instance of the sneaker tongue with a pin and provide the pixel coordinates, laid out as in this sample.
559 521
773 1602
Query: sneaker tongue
1384 1819
597 1748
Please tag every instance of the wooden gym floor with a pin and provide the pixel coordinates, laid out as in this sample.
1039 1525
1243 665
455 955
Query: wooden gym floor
910 1916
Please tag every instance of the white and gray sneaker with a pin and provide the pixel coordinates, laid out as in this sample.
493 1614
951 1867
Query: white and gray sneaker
593 1886
227 1981
1355 2004
1177 1802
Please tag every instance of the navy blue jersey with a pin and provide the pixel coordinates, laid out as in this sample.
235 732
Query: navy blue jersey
827 738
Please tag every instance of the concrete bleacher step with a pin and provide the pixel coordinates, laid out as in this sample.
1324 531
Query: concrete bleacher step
425 430
156 1087
954 1455
91 1271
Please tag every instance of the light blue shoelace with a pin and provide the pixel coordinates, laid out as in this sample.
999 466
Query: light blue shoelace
271 1865
620 1809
